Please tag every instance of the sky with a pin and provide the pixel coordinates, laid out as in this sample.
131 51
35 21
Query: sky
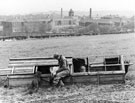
12 7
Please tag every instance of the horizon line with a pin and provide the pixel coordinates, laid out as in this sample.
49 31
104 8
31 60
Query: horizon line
47 12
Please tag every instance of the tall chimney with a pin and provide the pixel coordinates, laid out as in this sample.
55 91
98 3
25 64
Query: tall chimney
61 13
90 15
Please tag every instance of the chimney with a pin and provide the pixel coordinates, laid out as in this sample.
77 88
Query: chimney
90 15
61 13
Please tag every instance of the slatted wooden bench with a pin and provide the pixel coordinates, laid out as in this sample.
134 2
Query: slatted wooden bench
22 70
108 69
29 65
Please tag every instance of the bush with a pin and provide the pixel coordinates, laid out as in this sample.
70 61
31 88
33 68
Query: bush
92 28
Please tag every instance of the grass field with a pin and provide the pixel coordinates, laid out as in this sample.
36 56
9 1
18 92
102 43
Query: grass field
82 46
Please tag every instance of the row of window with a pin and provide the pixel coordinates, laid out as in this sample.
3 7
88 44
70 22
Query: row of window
65 22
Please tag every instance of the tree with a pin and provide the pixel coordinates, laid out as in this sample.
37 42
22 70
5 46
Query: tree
92 28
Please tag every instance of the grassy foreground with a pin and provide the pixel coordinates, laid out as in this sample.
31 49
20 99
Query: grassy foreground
79 93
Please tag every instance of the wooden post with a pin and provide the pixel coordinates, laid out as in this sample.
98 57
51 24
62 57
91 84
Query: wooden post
122 67
7 81
105 67
122 63
36 69
88 69
71 69
98 78
13 70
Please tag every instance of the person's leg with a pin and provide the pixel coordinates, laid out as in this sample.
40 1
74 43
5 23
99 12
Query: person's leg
61 83
63 74
57 80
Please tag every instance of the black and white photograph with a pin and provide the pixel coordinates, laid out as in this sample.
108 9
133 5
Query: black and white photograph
67 51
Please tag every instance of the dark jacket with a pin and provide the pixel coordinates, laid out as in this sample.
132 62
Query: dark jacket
63 64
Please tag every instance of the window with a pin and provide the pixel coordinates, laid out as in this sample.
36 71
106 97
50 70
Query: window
79 65
109 64
44 22
44 69
59 22
70 23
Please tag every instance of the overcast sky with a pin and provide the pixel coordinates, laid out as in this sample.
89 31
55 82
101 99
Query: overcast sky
8 7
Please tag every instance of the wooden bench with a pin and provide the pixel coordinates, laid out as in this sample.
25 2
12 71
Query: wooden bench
29 65
21 71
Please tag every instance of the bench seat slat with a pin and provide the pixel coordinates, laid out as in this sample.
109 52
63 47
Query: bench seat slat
5 71
36 62
23 70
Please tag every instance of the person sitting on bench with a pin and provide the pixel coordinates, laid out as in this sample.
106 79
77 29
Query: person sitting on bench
63 70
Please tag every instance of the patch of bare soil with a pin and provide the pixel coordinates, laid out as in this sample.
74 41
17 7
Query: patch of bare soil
79 93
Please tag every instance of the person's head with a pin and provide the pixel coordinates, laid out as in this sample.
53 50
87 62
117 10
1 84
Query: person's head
56 56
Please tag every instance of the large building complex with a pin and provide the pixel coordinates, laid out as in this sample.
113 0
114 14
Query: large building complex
59 24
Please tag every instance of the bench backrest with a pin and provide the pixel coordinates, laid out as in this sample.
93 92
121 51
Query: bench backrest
27 65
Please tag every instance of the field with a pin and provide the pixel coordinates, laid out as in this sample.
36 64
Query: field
81 46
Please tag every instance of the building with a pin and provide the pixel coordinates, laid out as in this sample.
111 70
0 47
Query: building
71 13
17 26
65 22
133 20
7 28
1 27
23 27
102 22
